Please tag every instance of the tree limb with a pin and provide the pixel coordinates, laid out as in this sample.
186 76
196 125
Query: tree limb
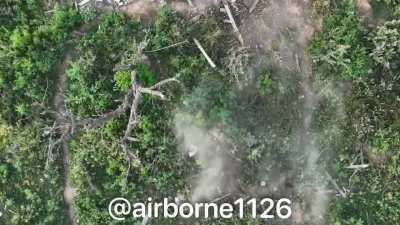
233 23
167 47
103 119
163 82
355 167
154 93
209 60
253 6
335 185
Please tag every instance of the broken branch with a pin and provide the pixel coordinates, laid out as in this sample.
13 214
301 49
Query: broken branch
154 93
163 82
253 6
169 46
84 2
335 185
209 60
190 3
233 23
355 167
103 119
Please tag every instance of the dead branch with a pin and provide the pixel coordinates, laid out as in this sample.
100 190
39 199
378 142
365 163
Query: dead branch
135 93
131 100
216 200
84 2
253 6
169 46
154 93
133 117
103 119
335 185
133 120
163 82
227 21
232 22
356 167
131 139
190 3
209 60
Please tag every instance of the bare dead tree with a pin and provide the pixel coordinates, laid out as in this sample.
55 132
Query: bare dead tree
131 101
134 115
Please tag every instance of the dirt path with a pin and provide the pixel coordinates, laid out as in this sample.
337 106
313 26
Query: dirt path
147 9
62 119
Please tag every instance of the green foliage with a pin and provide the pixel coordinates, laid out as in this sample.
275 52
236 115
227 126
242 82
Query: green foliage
17 12
387 44
29 177
168 29
389 2
262 118
265 84
123 80
340 47
92 83
369 133
100 170
172 28
380 142
211 99
30 53
145 75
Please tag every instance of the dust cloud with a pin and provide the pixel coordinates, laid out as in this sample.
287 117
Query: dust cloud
209 147
281 30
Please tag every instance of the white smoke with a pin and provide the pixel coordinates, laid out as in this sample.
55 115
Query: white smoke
282 29
209 153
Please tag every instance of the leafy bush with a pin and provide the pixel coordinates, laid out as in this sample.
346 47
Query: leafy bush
265 84
29 177
31 51
387 44
340 47
92 83
369 133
